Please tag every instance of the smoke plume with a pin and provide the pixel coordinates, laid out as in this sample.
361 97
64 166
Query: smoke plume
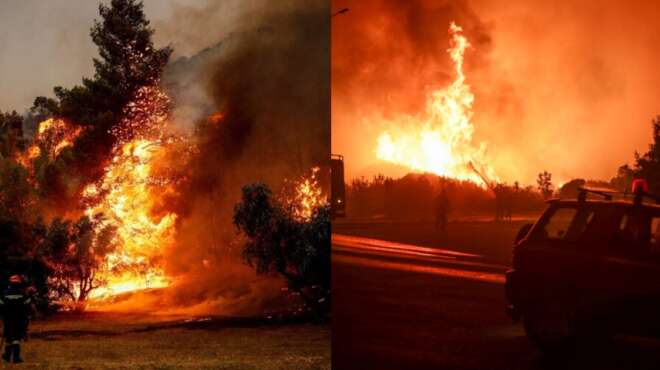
270 86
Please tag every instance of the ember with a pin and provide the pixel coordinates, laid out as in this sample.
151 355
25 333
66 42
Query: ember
306 196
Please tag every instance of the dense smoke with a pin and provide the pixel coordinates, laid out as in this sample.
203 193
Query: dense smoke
570 88
266 91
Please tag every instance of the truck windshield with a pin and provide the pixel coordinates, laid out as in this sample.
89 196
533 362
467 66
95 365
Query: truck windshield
566 223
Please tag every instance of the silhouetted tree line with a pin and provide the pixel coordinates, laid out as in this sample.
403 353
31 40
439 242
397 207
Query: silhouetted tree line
646 165
412 197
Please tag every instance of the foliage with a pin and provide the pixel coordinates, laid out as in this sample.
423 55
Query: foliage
61 258
647 165
11 134
128 61
389 198
73 253
277 243
623 179
544 184
15 191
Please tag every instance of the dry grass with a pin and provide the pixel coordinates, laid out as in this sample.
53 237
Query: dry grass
104 341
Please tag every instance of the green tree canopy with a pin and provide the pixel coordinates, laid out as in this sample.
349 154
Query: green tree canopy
277 243
11 134
647 165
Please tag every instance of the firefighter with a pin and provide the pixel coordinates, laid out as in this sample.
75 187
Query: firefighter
15 316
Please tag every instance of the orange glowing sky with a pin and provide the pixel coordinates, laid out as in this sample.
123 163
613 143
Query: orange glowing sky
568 88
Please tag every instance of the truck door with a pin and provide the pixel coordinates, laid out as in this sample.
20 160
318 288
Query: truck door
558 257
629 272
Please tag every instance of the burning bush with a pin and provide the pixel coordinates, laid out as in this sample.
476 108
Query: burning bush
73 253
280 242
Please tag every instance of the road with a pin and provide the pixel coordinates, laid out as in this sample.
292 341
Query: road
418 306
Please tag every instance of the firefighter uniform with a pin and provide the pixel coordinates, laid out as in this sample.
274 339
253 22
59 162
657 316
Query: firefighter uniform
15 306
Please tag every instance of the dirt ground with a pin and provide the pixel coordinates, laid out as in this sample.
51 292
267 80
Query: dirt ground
117 341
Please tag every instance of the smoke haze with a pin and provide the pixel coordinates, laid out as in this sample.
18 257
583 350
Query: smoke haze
271 85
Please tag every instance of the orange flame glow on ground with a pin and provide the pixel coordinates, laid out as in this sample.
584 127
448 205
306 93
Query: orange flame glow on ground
440 141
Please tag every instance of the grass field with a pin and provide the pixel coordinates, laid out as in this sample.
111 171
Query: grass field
117 341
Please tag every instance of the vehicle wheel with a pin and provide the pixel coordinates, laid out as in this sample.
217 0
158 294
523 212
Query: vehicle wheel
551 328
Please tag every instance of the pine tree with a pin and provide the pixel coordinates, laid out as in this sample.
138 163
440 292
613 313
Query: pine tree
127 61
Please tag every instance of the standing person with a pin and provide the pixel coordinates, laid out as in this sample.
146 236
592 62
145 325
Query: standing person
498 189
508 203
15 316
441 211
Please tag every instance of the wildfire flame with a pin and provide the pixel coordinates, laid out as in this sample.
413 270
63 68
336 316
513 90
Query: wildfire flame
130 196
306 197
440 141
53 135
127 196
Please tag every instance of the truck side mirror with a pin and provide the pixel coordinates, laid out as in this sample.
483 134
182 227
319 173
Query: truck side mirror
522 233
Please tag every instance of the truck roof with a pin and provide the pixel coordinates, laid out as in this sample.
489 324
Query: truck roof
617 202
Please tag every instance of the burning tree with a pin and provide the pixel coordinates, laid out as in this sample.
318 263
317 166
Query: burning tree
128 62
93 147
280 242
